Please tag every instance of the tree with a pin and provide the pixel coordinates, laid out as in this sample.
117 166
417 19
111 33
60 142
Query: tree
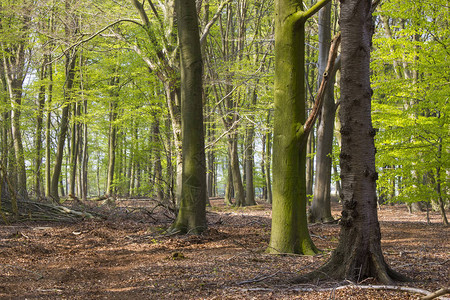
71 27
320 210
191 217
358 254
14 24
289 233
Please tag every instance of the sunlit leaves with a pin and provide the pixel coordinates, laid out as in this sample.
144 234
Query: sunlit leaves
411 75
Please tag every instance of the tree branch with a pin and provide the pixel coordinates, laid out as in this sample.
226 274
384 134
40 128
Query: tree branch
325 79
315 8
142 13
91 37
212 21
438 293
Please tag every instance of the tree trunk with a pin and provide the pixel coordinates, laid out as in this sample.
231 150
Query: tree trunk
249 162
229 190
358 254
48 127
112 138
158 186
14 64
74 141
39 128
268 136
191 216
63 127
238 187
320 210
309 175
289 233
85 154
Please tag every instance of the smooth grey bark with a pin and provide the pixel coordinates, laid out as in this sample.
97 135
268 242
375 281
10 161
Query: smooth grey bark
320 210
158 186
112 139
14 68
5 132
64 125
229 190
236 177
39 128
166 69
268 156
249 159
249 162
84 154
309 173
48 127
75 146
191 216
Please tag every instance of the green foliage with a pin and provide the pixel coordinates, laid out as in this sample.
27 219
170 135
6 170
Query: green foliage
411 104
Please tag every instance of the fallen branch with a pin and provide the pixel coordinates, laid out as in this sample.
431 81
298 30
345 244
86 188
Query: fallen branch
429 295
258 278
438 293
379 287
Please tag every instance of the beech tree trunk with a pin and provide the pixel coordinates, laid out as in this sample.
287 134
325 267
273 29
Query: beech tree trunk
236 177
289 232
63 127
14 64
358 254
268 158
39 128
249 162
191 216
320 210
48 127
158 183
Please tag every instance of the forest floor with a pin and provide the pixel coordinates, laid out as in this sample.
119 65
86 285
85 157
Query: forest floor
127 256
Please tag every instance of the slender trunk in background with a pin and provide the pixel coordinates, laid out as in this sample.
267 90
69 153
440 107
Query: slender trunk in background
85 154
236 177
320 210
14 64
310 149
48 127
268 136
158 183
249 159
39 128
64 124
111 148
229 190
75 145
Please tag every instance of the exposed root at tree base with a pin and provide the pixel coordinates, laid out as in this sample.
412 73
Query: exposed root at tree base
336 269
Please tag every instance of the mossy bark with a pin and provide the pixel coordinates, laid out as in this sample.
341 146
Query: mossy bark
289 232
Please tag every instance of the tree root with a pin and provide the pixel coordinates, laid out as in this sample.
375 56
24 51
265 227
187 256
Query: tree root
337 270
411 290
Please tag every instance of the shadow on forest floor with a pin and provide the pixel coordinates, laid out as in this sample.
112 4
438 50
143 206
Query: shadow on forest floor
126 256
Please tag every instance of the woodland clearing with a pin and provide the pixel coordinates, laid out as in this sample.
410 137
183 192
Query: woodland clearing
127 256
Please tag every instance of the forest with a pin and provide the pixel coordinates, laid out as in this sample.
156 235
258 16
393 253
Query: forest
232 149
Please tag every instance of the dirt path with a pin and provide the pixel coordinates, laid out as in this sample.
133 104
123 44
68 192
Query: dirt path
126 257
